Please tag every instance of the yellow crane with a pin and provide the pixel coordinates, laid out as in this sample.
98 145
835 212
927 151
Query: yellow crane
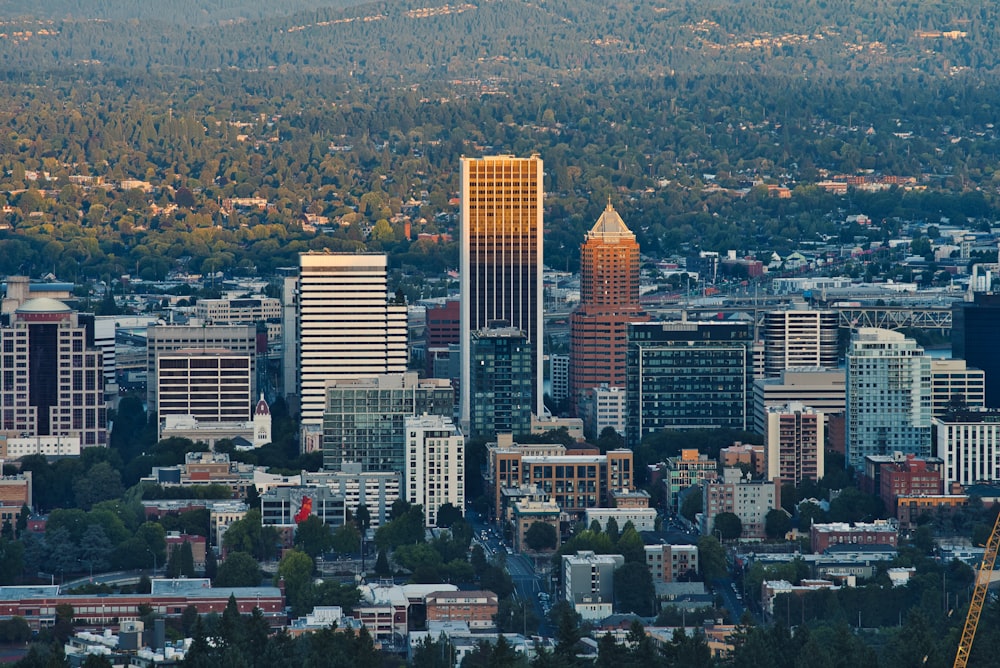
978 597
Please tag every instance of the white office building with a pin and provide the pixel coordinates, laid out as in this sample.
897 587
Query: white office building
435 464
969 444
347 326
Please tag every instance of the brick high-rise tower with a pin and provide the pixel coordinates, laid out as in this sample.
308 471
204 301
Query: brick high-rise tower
609 300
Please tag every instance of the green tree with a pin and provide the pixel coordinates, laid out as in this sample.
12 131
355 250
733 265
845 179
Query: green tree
777 523
382 565
447 515
313 536
634 589
711 558
238 570
728 525
541 536
346 539
631 547
100 483
296 569
691 505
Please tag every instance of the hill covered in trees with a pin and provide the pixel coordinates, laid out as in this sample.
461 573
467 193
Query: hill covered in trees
425 39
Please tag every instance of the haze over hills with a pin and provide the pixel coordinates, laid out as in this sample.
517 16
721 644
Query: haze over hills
181 12
418 39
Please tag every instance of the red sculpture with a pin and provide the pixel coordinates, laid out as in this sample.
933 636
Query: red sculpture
304 510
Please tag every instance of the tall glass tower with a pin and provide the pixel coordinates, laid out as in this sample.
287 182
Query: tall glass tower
501 263
888 396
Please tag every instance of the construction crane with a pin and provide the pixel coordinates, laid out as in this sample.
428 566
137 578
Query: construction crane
978 596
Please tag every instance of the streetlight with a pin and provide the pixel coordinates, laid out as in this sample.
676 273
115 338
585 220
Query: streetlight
154 560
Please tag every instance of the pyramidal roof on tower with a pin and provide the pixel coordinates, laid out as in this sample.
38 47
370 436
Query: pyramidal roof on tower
610 226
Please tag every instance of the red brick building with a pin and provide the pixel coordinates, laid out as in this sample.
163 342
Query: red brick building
442 324
609 300
478 608
169 598
879 532
892 477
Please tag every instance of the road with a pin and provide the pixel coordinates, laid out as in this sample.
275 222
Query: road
730 599
527 581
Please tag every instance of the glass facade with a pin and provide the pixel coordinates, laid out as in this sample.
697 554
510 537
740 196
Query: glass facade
502 380
888 396
687 376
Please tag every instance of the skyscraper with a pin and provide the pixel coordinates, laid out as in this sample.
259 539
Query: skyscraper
501 263
888 396
347 325
52 375
973 339
799 338
609 300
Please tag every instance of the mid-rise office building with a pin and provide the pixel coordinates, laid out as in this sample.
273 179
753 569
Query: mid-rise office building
435 465
280 506
690 468
879 532
348 325
794 443
575 479
501 383
236 340
609 300
686 375
955 385
375 490
364 418
242 310
602 407
969 443
822 389
672 563
501 260
559 376
888 396
53 378
799 338
974 327
205 384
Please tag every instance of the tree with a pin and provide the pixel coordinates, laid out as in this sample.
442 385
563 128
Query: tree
430 653
691 505
541 536
313 536
447 515
634 589
346 539
101 482
729 525
777 523
238 570
711 558
611 528
296 569
631 547
382 565
362 518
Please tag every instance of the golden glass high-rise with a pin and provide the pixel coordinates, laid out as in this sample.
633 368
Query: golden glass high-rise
501 263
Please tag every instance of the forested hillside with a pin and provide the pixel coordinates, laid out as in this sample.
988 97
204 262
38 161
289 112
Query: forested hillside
416 39
182 12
